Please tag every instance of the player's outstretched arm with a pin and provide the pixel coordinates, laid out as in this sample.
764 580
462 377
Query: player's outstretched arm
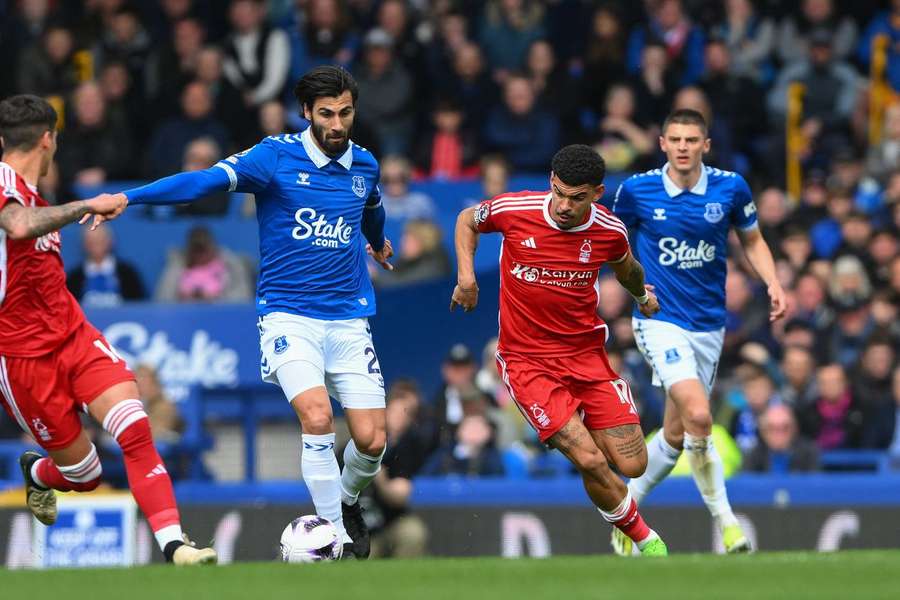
28 222
630 274
760 258
465 294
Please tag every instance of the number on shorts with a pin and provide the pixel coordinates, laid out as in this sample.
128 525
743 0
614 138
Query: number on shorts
107 350
373 364
624 393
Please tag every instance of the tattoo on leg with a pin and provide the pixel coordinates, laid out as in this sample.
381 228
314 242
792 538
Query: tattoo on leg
631 448
622 431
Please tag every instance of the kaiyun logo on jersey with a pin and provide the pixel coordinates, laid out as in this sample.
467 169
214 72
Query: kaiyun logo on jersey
326 234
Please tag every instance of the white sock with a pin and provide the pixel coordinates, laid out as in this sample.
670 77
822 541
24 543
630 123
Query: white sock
706 466
661 459
359 471
170 533
323 477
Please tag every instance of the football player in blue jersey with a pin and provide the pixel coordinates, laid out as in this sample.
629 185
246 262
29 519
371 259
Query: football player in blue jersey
680 217
318 203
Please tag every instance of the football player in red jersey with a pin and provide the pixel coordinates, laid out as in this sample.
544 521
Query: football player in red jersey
53 363
551 348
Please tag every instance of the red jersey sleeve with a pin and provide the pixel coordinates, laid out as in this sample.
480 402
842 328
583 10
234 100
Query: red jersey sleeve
9 190
619 246
484 218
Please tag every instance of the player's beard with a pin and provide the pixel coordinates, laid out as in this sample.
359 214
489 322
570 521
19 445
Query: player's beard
331 147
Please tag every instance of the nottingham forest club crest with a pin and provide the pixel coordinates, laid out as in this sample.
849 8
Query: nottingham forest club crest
359 185
713 212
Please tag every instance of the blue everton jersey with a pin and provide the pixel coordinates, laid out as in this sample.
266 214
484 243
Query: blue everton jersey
681 239
310 210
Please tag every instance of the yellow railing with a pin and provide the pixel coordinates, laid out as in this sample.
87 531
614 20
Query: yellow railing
795 142
880 94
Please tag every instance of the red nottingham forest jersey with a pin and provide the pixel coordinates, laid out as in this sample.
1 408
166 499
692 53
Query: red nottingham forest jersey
37 312
549 291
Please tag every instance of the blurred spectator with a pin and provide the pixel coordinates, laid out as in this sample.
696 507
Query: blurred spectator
722 151
324 36
103 279
781 450
883 247
772 211
401 203
47 66
22 25
554 88
125 41
450 150
396 531
395 18
886 23
746 317
604 56
228 102
458 396
849 282
856 233
625 144
654 84
798 367
165 421
385 94
894 448
94 149
682 39
831 90
507 29
884 158
834 420
524 133
872 389
173 65
749 38
272 119
472 84
471 452
125 103
201 154
826 233
758 393
204 272
172 138
257 55
813 201
421 256
451 34
812 302
796 31
494 176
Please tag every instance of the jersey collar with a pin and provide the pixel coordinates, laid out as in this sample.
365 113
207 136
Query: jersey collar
586 225
319 158
672 188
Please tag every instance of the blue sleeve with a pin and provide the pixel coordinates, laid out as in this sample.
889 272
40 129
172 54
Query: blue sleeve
743 210
373 218
183 187
624 206
636 43
877 26
251 171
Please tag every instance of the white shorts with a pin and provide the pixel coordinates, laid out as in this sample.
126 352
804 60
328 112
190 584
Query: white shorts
676 354
300 353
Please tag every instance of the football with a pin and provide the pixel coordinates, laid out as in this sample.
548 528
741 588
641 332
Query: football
310 539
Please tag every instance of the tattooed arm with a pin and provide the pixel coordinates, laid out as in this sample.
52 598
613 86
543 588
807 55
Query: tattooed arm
29 222
630 274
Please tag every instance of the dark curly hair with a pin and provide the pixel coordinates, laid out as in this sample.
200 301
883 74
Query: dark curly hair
23 120
579 164
327 81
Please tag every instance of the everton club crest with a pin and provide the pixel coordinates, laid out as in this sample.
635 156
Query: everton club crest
359 186
713 212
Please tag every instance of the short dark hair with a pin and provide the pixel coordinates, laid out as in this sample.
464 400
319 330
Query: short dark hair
327 81
685 116
578 164
23 120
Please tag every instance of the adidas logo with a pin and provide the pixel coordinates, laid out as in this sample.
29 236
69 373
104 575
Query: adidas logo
529 243
157 470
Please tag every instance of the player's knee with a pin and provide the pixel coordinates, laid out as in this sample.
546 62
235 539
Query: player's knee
698 421
674 438
590 460
633 467
372 445
317 422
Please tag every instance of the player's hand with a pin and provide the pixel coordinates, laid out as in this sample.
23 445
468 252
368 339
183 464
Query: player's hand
383 255
104 207
465 296
651 307
778 302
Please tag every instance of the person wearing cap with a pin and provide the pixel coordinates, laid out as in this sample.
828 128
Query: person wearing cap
385 93
458 396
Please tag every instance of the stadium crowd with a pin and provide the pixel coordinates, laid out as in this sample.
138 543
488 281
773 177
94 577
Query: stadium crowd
454 90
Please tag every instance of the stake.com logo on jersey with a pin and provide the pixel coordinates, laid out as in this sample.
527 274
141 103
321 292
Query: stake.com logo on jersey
327 235
544 276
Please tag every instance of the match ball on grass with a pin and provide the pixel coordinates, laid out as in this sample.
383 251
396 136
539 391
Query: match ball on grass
310 539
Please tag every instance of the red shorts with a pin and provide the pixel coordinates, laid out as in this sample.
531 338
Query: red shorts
45 394
548 391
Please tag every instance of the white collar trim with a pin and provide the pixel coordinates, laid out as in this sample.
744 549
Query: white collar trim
586 225
672 188
319 158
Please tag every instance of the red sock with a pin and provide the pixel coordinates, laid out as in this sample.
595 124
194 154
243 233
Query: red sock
50 476
627 518
147 476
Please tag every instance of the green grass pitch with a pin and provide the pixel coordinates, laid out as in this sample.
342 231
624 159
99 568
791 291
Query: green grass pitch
856 575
